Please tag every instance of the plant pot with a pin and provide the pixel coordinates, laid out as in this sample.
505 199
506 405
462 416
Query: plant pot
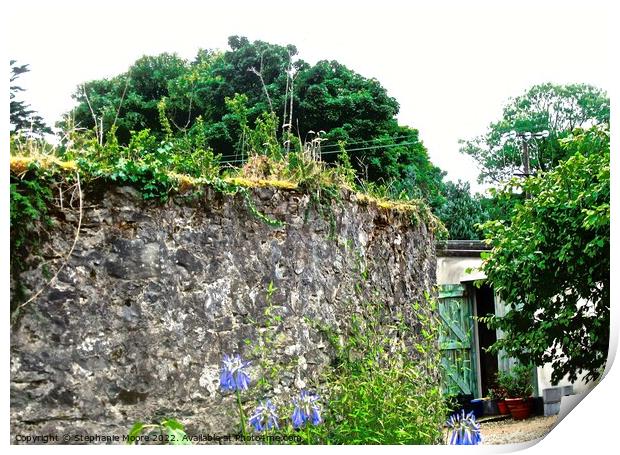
519 408
537 406
463 403
489 407
502 407
477 407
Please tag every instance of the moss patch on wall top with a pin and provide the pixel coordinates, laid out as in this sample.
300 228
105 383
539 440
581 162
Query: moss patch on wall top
31 167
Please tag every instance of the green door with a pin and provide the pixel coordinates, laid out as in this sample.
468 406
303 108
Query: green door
457 340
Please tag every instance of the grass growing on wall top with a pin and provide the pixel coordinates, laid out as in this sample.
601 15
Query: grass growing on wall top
164 171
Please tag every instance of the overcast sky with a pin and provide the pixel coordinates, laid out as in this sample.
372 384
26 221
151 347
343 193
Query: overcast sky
451 66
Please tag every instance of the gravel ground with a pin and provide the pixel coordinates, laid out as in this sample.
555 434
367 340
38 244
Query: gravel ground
513 431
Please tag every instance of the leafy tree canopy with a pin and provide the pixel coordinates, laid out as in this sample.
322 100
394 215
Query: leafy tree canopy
555 108
22 118
462 212
550 263
225 93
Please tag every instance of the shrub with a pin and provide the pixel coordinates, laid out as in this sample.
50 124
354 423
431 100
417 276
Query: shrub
381 391
517 383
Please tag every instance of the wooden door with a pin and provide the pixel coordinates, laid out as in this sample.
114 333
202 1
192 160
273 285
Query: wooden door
457 340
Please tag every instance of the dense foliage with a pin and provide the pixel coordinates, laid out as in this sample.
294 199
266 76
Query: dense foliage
555 108
550 262
517 382
384 389
219 95
462 212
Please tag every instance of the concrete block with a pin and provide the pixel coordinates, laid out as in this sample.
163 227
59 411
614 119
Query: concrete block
553 394
567 390
552 409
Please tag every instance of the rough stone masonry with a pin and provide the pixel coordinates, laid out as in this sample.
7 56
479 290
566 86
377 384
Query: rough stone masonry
136 324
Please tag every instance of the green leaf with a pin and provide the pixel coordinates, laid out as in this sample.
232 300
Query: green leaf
173 424
135 432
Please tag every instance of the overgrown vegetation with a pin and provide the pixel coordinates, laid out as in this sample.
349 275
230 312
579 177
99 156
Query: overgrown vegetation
30 200
516 383
38 184
159 167
219 96
550 262
383 389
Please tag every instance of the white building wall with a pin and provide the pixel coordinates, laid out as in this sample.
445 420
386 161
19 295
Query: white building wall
452 270
544 381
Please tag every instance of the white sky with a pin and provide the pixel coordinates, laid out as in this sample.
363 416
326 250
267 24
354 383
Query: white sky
451 66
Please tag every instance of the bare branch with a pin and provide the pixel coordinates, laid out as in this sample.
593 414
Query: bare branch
259 73
121 103
97 132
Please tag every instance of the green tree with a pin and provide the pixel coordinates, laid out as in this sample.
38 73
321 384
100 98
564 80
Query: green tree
189 90
343 103
256 70
461 211
555 108
399 157
499 208
550 262
22 118
128 101
231 92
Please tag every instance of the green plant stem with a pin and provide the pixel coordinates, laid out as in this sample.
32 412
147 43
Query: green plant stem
241 415
308 433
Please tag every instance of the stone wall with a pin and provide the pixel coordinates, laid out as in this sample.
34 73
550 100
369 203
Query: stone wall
136 324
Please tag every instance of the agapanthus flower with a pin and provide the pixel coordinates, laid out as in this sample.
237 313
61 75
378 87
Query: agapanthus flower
306 409
233 376
264 417
464 428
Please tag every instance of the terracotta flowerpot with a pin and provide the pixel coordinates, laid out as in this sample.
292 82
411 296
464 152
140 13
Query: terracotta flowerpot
519 408
502 408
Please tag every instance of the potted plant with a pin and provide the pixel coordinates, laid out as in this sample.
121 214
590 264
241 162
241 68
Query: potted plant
499 394
490 404
518 388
